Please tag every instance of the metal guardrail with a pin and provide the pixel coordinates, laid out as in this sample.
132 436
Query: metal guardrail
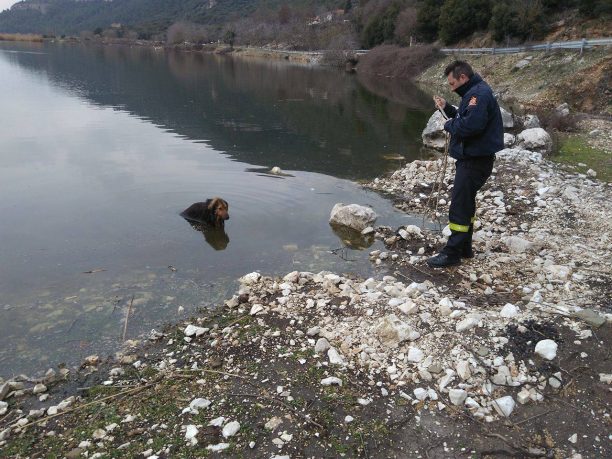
578 44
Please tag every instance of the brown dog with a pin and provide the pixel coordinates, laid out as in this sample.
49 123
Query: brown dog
213 212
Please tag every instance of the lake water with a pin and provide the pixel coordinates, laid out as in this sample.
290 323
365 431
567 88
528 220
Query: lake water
102 147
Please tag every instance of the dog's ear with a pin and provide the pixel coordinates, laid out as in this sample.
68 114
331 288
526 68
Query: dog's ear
211 203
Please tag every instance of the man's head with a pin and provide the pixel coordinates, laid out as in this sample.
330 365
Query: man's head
458 73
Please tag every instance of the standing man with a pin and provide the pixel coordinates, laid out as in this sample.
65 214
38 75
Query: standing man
477 133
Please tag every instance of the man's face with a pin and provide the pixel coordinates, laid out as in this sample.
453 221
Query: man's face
454 83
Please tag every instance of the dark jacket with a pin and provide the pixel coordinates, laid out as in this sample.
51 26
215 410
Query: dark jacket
476 128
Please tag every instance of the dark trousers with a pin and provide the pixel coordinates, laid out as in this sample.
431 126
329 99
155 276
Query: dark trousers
471 174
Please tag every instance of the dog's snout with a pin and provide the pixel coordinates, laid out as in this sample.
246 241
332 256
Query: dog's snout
227 217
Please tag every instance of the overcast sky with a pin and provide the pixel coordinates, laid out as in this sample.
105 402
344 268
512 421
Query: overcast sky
4 4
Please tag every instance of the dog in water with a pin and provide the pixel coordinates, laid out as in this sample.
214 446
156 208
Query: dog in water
213 212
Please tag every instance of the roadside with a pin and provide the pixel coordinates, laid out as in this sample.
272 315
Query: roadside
546 84
414 363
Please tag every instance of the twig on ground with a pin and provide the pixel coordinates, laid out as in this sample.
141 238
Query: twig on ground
127 317
213 371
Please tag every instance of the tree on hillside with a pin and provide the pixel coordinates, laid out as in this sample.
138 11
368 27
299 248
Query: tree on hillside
381 28
460 18
405 26
595 8
428 17
518 19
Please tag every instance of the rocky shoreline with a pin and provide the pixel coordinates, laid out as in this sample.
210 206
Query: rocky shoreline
505 355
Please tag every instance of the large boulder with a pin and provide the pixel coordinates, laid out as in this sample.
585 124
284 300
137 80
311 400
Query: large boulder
352 215
535 139
433 135
518 154
507 118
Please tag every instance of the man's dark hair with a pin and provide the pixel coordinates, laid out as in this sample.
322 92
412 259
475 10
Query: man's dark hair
458 68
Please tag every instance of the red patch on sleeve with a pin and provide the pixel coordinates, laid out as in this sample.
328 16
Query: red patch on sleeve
473 101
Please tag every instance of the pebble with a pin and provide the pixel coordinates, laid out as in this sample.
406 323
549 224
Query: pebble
191 431
230 429
546 349
457 396
218 447
466 324
509 311
39 389
331 381
322 346
415 354
334 357
504 405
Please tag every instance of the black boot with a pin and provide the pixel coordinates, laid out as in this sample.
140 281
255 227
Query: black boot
466 251
442 260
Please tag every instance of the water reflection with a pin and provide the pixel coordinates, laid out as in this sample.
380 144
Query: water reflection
217 238
102 147
261 112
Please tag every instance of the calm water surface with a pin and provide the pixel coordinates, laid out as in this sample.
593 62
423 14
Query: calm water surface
101 148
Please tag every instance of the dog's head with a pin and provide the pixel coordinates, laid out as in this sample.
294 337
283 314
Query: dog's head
220 210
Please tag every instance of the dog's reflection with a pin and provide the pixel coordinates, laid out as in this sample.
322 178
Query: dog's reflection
217 238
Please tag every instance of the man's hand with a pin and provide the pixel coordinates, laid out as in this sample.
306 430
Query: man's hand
440 102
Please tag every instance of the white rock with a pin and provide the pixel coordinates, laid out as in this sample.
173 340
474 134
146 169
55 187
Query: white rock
531 121
507 118
504 405
535 139
573 439
420 393
217 447
256 309
591 173
509 310
457 396
192 330
98 434
433 135
392 331
547 349
348 418
334 357
39 389
605 378
463 370
352 215
322 346
196 405
523 396
191 431
273 423
415 354
519 154
3 408
313 331
230 429
251 278
517 244
368 230
217 422
331 381
466 324
559 272
408 308
84 444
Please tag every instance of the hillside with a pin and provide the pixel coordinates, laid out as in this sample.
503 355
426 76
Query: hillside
74 16
316 24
